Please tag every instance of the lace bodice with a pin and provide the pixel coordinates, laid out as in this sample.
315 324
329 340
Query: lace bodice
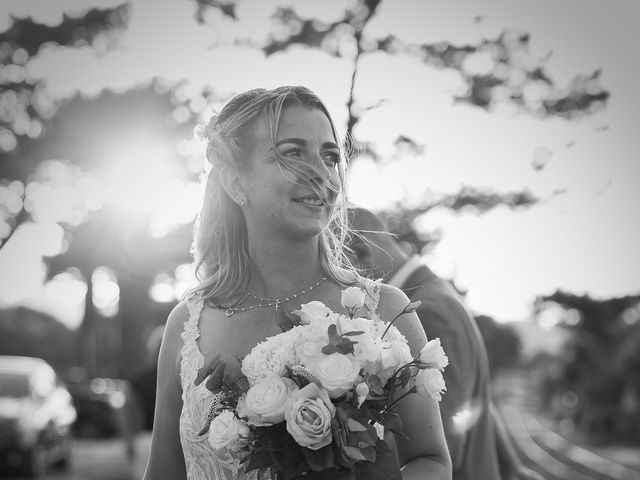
202 462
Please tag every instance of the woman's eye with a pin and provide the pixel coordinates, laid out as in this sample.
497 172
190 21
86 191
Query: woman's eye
332 158
295 152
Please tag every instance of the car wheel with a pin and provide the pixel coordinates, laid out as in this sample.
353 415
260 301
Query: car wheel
36 463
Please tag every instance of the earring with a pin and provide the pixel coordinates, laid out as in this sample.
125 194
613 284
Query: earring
241 202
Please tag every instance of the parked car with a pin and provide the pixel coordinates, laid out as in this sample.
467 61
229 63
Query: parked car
36 416
107 408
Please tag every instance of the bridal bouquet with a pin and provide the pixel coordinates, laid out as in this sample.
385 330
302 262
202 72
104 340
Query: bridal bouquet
313 400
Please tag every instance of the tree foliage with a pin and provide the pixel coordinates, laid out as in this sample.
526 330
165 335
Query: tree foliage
31 333
602 358
516 77
25 99
26 108
35 128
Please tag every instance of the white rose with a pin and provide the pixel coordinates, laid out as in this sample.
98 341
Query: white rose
312 311
368 348
317 331
227 431
312 337
308 416
337 373
352 299
395 354
389 335
309 353
264 403
431 382
433 355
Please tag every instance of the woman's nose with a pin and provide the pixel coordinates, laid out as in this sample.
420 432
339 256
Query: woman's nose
318 162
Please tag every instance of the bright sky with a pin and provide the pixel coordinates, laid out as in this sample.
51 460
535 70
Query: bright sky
584 240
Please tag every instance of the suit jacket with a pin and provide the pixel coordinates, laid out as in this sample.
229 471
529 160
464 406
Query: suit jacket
466 417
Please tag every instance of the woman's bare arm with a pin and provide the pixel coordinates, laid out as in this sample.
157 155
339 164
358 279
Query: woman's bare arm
166 460
423 454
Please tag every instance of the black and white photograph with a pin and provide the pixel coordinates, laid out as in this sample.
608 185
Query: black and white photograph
319 240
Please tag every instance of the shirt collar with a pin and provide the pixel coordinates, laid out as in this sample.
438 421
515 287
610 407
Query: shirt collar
399 278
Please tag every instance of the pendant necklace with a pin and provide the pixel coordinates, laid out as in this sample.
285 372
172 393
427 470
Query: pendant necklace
270 302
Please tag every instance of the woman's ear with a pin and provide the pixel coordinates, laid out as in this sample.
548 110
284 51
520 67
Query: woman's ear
233 184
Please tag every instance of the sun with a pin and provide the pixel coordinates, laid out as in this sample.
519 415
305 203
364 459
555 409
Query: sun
138 175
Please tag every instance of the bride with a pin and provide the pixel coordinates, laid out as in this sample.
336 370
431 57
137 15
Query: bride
269 238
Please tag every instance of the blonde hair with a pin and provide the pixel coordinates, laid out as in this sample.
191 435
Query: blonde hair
220 246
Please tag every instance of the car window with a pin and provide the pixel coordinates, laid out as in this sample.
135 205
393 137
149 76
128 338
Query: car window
14 385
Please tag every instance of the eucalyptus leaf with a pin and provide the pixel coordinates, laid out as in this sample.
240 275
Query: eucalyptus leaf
355 333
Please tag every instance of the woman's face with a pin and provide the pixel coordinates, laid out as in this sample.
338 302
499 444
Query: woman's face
280 202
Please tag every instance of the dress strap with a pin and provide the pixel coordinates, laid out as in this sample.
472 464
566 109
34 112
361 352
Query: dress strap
372 297
190 354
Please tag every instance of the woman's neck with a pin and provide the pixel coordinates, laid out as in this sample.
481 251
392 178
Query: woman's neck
281 269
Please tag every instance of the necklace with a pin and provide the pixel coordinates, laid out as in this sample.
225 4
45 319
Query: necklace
270 302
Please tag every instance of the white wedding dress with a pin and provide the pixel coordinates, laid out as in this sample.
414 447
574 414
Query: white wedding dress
202 463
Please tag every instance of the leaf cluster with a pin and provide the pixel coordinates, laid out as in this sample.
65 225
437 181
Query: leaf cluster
340 343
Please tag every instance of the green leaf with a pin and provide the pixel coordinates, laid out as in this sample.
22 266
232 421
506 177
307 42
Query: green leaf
353 334
258 459
405 377
385 466
292 462
375 385
329 349
363 439
331 474
288 320
334 338
340 439
392 422
320 459
412 307
346 346
275 448
355 426
369 453
354 453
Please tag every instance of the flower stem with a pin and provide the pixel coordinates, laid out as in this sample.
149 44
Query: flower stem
396 317
395 402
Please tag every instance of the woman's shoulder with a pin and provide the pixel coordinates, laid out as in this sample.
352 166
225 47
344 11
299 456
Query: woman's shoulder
179 314
176 321
384 298
393 303
392 299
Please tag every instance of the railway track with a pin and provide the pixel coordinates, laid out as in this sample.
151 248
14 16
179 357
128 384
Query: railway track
550 454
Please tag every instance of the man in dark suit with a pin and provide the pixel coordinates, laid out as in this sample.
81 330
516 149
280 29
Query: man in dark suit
478 443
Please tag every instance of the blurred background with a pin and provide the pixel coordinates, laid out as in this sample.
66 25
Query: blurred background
497 138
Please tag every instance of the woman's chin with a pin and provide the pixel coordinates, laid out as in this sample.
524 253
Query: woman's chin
309 220
308 227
